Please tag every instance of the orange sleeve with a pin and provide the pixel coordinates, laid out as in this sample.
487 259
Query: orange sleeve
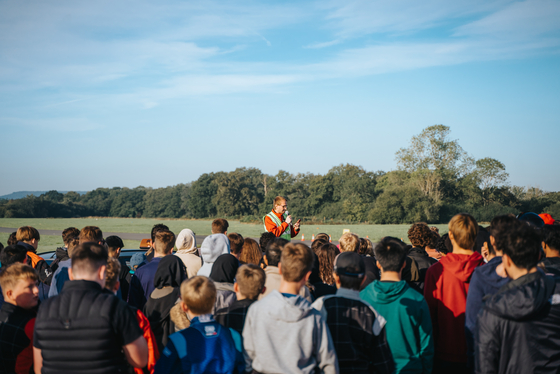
271 226
24 361
153 353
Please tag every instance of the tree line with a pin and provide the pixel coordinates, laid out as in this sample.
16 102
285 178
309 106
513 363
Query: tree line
435 179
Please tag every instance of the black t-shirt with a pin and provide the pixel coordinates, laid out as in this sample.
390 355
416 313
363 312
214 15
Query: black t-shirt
125 324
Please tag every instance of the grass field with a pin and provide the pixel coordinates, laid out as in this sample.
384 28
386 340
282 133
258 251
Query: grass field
200 227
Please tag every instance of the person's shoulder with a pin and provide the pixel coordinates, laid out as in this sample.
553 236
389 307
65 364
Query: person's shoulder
436 268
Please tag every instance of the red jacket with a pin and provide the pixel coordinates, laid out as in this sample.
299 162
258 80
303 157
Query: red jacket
153 353
278 230
445 291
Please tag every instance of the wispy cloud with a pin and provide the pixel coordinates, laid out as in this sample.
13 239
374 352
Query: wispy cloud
323 44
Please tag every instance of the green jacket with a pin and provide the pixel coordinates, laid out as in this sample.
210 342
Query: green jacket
409 326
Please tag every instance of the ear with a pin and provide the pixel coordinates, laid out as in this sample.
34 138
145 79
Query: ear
117 286
403 265
184 307
70 274
280 268
263 289
306 275
493 242
236 287
102 272
378 265
9 294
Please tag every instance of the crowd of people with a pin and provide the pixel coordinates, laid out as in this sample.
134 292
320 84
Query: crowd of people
474 300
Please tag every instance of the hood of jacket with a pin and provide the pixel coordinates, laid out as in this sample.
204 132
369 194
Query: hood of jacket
287 309
523 297
385 292
62 254
461 266
186 242
211 248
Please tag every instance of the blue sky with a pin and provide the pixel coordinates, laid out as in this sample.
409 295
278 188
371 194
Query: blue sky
104 93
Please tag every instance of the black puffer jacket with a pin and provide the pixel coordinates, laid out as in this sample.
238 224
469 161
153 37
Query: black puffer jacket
518 329
423 261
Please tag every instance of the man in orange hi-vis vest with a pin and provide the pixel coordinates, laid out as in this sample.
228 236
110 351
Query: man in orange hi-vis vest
279 222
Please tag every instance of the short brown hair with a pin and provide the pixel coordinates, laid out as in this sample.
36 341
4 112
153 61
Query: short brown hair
420 235
112 273
71 245
235 242
349 242
278 200
89 257
251 253
366 247
464 228
219 226
10 275
251 279
70 233
198 294
27 233
165 240
91 234
296 262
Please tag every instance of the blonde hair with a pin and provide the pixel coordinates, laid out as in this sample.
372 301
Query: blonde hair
296 262
250 279
27 233
10 275
198 294
112 273
464 228
349 242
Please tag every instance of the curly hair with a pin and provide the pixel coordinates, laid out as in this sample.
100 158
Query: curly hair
327 253
251 252
420 235
366 247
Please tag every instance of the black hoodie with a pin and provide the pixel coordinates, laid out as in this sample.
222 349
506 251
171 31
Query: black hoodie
518 330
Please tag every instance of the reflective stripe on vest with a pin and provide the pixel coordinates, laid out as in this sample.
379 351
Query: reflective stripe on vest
287 234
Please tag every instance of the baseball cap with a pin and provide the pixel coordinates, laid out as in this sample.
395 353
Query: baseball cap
350 264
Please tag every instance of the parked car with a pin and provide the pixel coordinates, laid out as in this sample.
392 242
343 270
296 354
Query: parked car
126 254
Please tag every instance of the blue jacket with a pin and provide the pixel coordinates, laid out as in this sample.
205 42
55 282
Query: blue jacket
142 284
204 347
60 277
484 281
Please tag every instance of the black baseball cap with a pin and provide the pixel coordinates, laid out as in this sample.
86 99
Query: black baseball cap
350 264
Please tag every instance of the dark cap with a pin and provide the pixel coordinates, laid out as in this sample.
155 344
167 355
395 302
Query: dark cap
350 264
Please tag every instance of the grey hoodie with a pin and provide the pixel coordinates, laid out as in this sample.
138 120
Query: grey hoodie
286 335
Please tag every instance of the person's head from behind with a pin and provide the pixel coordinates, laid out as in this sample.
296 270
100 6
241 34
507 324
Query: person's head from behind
112 275
198 295
157 227
249 281
522 250
236 242
326 254
434 241
89 262
463 230
19 285
163 245
251 253
114 245
69 234
349 242
322 236
420 235
349 270
12 239
296 263
318 243
29 235
273 252
366 247
265 239
500 226
551 240
91 234
12 254
443 245
220 226
390 255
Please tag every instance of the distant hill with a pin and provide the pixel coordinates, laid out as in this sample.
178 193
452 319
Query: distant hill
22 194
